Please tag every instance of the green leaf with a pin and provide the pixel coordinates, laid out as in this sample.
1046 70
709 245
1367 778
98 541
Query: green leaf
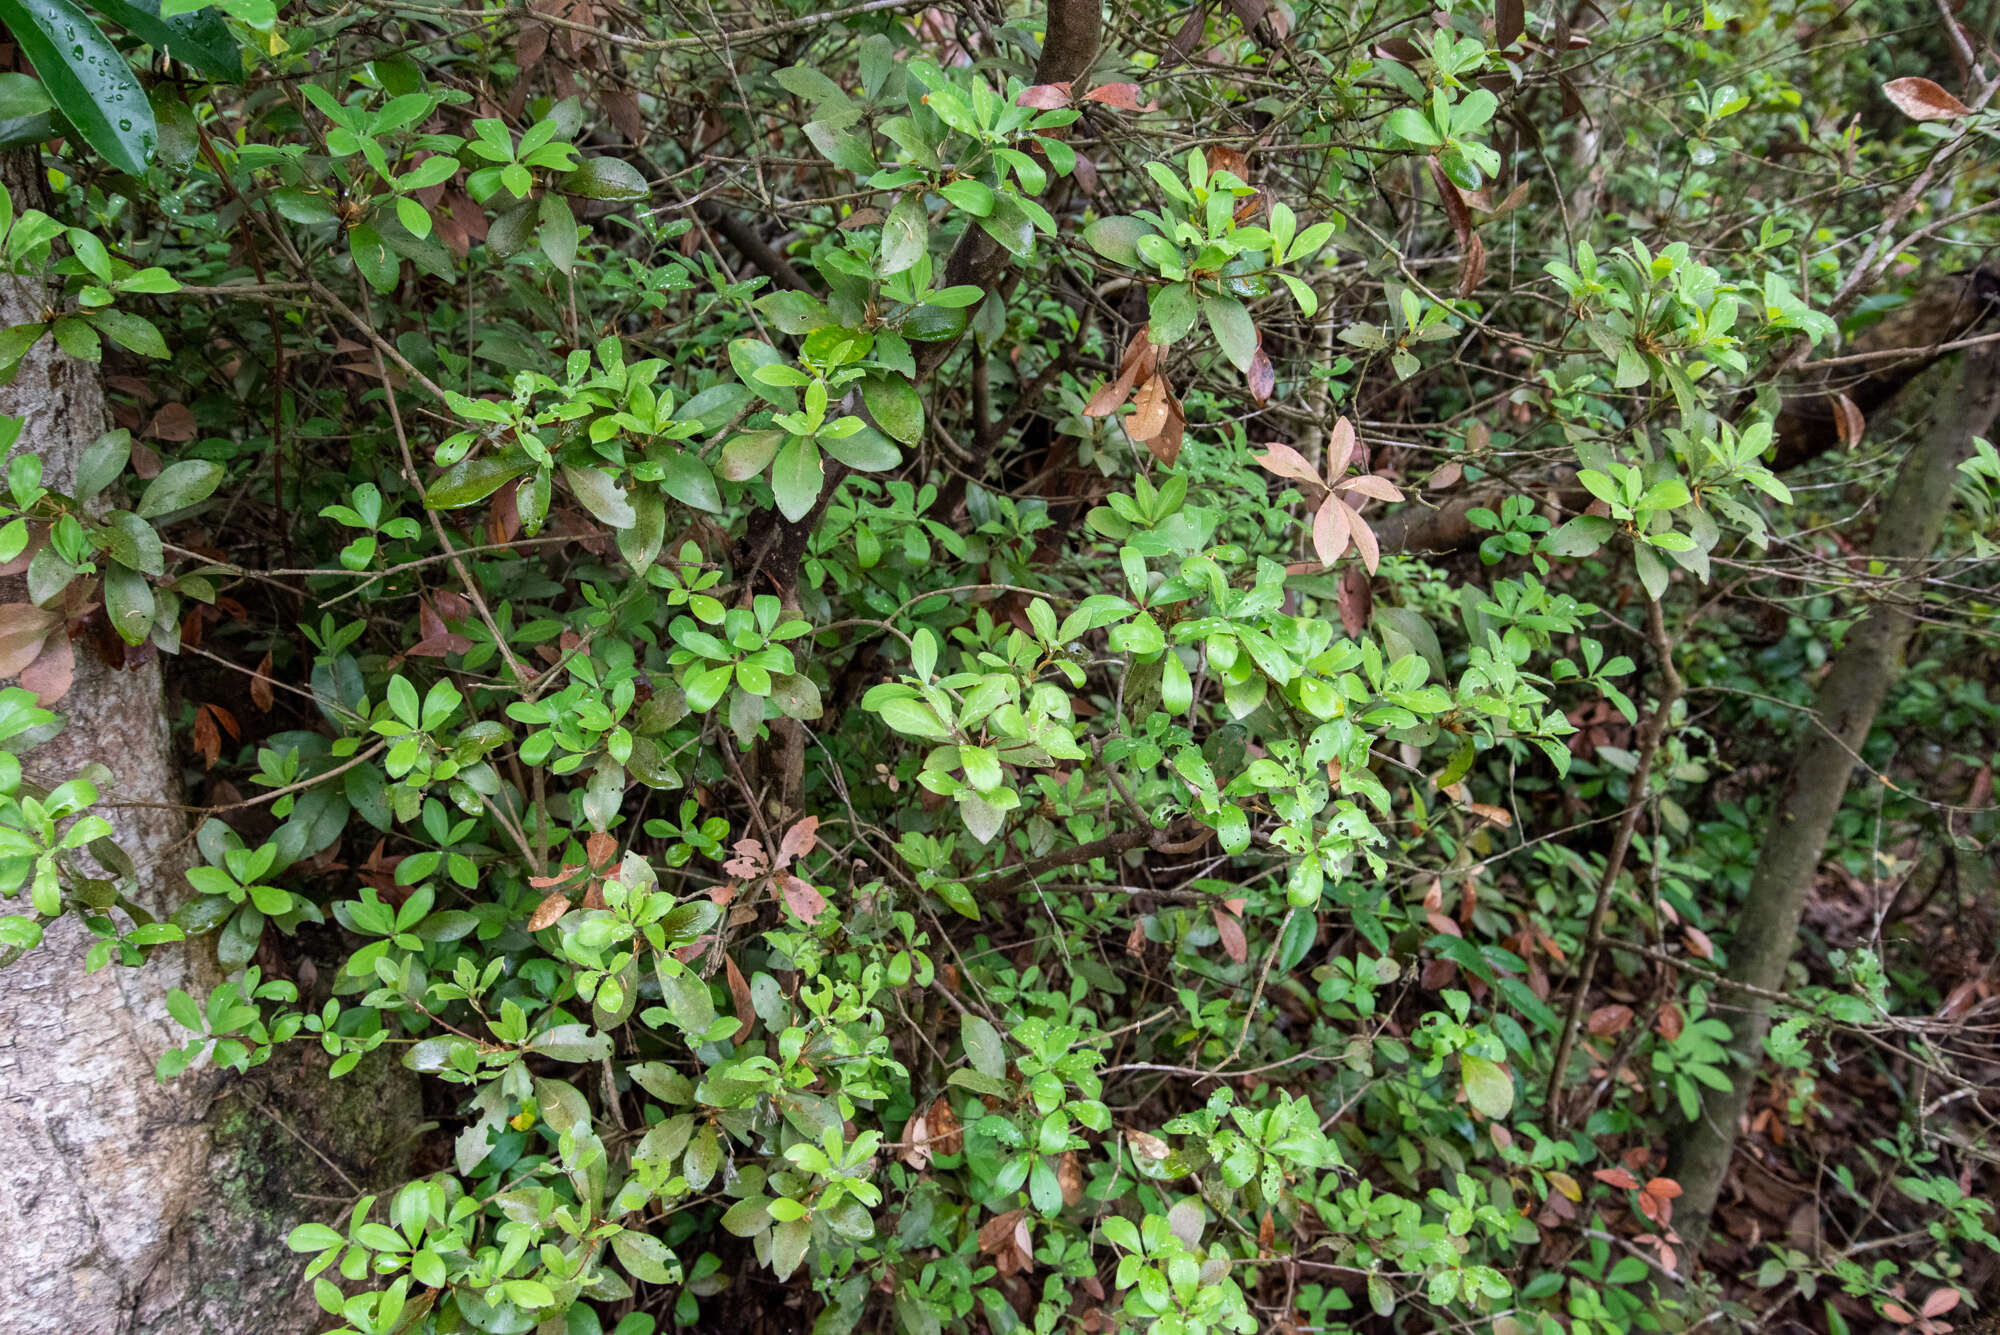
1173 312
558 235
1233 329
132 332
1488 1086
600 495
969 195
1117 239
468 481
747 455
373 259
645 1258
866 451
189 482
796 478
983 1047
89 79
905 236
1412 126
128 602
200 40
607 179
640 544
895 405
687 479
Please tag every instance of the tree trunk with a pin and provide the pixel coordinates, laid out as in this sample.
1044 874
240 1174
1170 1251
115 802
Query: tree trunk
1844 711
127 1205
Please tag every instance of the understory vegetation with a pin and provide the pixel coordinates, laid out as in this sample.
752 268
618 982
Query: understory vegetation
1004 667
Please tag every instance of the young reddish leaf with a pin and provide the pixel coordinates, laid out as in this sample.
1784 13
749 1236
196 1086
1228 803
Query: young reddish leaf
1330 530
1340 443
1898 1313
1364 540
1124 96
1617 1177
1664 1187
1379 488
1940 1302
1044 96
802 899
798 840
1922 100
1287 462
1498 815
1698 942
1670 1022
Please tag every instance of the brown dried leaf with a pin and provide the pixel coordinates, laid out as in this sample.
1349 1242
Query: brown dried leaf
1146 1145
997 1233
23 628
173 422
1698 942
1166 447
739 995
1472 270
550 909
1608 1020
1444 475
1669 1023
1498 815
1922 100
916 1148
1149 410
599 849
1069 1176
1454 203
947 1136
1848 422
260 685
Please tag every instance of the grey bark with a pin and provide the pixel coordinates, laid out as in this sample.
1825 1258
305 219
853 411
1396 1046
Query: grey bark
1843 712
128 1206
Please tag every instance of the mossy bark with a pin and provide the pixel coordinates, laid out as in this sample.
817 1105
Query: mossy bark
1843 712
127 1205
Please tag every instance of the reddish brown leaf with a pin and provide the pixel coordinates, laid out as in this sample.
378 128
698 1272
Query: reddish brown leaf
599 849
1608 1020
1166 447
50 675
1922 100
1364 540
1940 1302
552 907
1230 927
947 1136
1670 1022
1663 1187
1373 486
1108 399
1509 21
1124 96
1069 1176
23 628
1223 158
749 861
1045 96
1454 203
739 994
802 899
1444 476
544 882
1898 1313
1617 1177
1698 942
1357 600
1340 447
1266 1234
1262 377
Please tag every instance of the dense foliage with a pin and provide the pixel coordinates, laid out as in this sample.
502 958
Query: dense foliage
1029 677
